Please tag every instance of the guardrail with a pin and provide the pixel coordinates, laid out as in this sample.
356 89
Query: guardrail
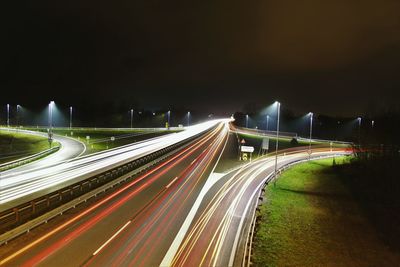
246 260
25 160
263 132
42 128
14 218
325 141
28 226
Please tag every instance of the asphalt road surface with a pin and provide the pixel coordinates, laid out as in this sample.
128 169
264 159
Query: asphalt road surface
19 187
70 148
216 231
147 222
135 224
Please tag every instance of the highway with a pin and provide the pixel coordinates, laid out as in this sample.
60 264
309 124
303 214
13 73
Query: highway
178 213
70 149
19 187
133 225
216 231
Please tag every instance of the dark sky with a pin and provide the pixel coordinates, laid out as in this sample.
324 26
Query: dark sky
335 57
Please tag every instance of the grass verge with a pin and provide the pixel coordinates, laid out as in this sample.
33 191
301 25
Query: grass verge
100 139
312 219
14 145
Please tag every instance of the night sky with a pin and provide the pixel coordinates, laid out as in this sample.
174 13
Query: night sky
336 57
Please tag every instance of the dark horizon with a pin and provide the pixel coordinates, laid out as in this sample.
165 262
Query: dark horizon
339 59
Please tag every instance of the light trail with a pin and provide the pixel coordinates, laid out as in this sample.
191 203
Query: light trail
213 236
170 163
23 184
163 213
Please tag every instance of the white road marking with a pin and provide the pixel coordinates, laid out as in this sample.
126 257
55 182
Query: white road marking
172 182
111 238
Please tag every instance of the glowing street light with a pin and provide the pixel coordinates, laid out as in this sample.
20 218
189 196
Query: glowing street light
18 108
131 118
188 115
70 117
8 115
50 133
311 124
278 108
51 104
247 120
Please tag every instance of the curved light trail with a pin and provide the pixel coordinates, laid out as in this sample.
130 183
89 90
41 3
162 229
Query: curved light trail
17 185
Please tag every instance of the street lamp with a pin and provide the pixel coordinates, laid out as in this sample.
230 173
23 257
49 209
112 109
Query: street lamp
311 124
247 120
267 122
278 108
70 117
18 108
8 115
168 116
50 133
188 115
131 118
359 131
51 104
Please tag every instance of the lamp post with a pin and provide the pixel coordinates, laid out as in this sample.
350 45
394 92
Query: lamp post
168 116
50 133
247 120
359 131
18 108
311 124
131 118
51 115
70 117
278 107
267 122
8 115
188 115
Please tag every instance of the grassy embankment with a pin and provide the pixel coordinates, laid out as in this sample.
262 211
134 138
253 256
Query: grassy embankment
14 145
312 218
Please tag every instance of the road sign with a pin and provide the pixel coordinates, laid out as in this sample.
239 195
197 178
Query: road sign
112 138
244 156
243 142
249 149
265 144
